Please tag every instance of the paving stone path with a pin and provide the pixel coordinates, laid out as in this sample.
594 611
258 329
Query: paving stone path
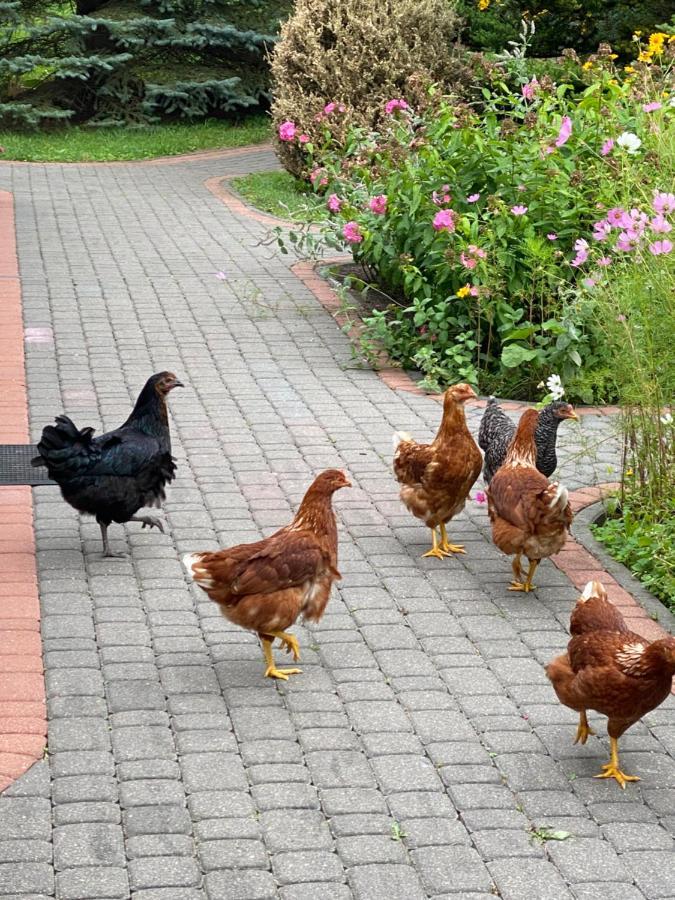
422 745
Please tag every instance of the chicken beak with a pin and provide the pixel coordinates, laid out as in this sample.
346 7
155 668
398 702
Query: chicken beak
573 415
177 384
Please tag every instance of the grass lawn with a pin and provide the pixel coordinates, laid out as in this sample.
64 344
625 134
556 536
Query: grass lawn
78 144
281 195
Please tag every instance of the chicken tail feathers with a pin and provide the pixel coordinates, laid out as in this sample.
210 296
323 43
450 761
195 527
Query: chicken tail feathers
197 573
65 449
560 497
400 437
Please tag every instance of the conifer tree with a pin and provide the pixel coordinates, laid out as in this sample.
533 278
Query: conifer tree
120 61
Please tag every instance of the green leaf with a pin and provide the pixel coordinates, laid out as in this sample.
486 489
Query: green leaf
515 355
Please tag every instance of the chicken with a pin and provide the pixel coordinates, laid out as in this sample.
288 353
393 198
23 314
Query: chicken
529 514
496 433
115 474
611 670
266 585
436 478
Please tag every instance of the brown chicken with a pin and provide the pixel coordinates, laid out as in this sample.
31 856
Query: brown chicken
530 516
266 585
611 670
436 478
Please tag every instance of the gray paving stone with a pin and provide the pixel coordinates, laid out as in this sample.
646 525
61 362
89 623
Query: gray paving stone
246 885
92 883
528 879
296 868
90 844
233 854
385 882
316 891
584 859
445 869
652 870
163 871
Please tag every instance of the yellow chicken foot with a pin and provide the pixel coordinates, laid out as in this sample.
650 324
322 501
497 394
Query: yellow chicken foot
288 642
446 546
436 550
612 770
526 586
584 729
271 671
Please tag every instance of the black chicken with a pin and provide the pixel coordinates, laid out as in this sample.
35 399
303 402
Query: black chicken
497 430
116 474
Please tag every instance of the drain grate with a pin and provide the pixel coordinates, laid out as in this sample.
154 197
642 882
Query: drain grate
15 467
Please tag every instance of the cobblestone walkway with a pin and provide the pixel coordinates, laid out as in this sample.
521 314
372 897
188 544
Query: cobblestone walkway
423 744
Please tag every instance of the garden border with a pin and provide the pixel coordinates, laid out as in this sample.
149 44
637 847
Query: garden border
23 719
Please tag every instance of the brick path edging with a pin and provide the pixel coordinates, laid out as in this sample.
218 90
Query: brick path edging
23 721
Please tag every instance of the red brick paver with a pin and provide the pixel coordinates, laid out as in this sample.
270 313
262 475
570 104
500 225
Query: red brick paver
23 723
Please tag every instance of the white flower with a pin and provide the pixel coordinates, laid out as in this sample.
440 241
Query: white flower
630 142
671 102
555 388
667 419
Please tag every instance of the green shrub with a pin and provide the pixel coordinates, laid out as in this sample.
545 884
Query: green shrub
358 53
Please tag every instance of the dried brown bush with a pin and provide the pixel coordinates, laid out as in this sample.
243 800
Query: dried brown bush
360 53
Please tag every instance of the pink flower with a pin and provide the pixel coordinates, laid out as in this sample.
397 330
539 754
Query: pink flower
621 318
663 203
474 291
589 282
444 220
547 150
626 242
581 246
480 497
287 131
601 230
615 216
529 90
477 251
378 204
660 224
334 203
317 177
351 233
221 276
393 105
329 108
472 198
303 139
604 261
565 131
467 261
552 237
519 210
660 247
443 197
652 107
607 147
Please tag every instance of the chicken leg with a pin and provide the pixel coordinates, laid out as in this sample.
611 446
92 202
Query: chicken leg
612 770
446 546
436 549
271 671
107 552
525 586
584 729
289 642
149 522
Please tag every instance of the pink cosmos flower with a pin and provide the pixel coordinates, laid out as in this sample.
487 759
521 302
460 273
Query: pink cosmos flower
443 197
287 131
565 131
660 247
472 198
519 210
607 147
652 107
334 203
547 150
467 261
303 139
378 204
615 216
601 230
604 261
663 203
393 105
477 251
529 90
480 497
444 220
660 224
552 237
589 282
351 233
626 242
581 246
329 108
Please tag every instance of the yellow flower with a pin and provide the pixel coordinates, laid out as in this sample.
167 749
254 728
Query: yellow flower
628 472
644 56
628 69
656 42
612 81
464 291
483 4
613 56
636 35
587 65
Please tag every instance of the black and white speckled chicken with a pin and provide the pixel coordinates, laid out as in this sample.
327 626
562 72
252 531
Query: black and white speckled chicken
497 430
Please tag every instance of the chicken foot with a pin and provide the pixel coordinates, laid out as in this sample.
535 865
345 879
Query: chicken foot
446 546
612 770
435 547
289 642
107 552
525 586
584 729
271 671
149 522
